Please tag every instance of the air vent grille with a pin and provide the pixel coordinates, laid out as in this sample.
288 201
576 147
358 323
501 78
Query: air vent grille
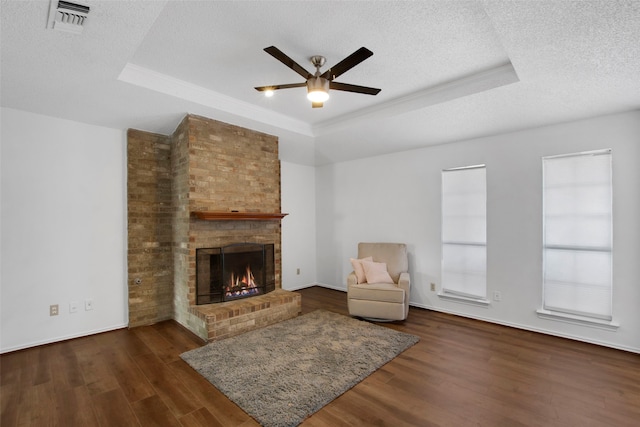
67 16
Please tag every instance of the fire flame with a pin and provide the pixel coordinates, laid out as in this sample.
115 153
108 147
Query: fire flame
241 285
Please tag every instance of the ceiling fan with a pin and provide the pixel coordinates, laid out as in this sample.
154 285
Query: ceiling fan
318 84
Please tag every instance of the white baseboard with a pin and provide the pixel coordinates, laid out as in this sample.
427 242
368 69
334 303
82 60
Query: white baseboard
529 328
298 287
335 288
62 338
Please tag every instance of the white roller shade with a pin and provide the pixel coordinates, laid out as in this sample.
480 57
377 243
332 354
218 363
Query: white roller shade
464 232
577 200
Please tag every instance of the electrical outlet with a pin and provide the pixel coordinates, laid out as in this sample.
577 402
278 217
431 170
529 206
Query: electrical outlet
433 287
73 307
88 304
497 296
53 310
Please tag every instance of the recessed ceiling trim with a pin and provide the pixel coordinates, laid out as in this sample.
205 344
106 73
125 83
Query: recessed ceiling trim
168 85
491 78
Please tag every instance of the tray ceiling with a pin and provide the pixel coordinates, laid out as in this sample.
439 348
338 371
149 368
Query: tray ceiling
448 70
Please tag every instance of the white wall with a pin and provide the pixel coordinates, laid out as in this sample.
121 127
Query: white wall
63 229
397 198
63 223
298 228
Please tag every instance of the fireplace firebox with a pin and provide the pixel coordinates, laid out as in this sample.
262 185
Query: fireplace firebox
234 271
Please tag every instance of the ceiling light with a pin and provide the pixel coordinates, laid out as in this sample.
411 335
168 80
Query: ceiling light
268 93
318 85
317 89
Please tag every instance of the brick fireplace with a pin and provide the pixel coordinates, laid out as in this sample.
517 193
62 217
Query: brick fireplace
208 185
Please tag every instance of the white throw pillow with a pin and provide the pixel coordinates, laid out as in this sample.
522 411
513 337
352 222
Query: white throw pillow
376 272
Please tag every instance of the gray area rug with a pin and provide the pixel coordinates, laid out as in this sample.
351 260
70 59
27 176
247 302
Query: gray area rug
283 373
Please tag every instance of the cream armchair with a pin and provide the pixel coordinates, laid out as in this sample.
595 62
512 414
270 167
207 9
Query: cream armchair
380 300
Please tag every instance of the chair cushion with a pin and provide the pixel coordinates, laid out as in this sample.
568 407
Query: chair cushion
383 292
376 272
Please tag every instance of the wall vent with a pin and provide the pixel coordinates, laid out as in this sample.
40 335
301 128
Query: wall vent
67 16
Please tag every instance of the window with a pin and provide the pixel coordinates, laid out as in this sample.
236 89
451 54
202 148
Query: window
464 232
577 247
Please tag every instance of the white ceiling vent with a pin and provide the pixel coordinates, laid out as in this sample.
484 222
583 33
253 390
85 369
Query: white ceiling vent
67 16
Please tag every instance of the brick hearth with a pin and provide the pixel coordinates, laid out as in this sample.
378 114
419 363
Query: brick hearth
231 318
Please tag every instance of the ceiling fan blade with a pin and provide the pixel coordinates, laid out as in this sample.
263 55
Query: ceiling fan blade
347 63
317 104
353 88
280 56
276 87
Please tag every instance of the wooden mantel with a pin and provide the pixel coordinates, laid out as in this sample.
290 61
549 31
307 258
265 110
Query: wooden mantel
238 216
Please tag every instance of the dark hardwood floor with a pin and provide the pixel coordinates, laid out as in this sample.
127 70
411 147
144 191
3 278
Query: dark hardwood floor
462 373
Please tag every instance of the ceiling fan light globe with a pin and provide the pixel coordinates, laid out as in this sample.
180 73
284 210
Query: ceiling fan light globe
317 96
317 89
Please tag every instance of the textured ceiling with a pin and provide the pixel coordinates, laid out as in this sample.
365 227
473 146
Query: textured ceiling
448 70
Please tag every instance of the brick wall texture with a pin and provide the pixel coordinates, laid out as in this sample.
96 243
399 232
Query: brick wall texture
205 165
150 216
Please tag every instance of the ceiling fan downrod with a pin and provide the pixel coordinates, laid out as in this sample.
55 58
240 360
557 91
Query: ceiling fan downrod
317 86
